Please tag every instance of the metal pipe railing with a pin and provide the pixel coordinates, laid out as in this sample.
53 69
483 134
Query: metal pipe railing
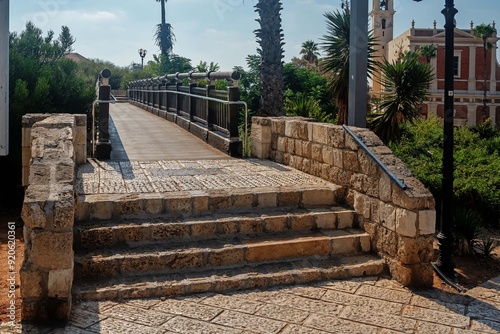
401 183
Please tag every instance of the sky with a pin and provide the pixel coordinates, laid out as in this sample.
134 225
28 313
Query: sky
210 30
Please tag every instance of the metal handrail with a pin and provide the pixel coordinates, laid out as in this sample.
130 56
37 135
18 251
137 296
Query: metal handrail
93 119
400 182
245 140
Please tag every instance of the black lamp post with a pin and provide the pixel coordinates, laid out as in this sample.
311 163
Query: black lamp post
446 237
142 53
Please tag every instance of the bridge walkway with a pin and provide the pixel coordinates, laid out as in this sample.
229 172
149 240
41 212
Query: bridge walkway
137 135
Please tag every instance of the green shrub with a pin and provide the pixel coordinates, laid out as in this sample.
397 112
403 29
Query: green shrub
477 181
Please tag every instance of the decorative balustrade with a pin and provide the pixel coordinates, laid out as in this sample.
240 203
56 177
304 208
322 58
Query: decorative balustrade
203 110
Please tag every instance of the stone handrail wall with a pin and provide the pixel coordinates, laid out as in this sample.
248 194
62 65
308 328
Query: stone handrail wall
53 145
401 223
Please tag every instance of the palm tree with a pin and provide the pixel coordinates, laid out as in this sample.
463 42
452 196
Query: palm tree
310 51
336 61
270 39
484 31
164 36
406 84
427 51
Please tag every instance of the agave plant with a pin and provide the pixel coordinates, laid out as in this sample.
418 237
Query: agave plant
468 226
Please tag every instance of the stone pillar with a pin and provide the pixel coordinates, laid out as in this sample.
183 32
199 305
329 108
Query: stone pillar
493 81
48 215
261 138
4 77
432 108
434 83
472 69
471 114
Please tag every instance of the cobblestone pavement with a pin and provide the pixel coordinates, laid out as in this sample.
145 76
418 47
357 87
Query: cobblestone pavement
366 305
124 177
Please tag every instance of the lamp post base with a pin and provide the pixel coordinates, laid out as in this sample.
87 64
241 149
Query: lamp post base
445 262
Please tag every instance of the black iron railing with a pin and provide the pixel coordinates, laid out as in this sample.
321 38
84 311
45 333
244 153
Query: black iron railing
194 98
165 93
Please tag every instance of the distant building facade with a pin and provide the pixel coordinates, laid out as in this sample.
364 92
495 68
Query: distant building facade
468 65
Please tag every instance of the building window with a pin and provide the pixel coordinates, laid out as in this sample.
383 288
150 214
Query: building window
456 66
383 23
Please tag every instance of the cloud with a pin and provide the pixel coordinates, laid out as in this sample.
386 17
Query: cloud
99 16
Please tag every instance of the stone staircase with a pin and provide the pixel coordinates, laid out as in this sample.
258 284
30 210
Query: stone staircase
300 236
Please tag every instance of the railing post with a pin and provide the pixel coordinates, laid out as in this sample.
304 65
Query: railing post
178 83
209 106
162 95
234 96
192 101
103 145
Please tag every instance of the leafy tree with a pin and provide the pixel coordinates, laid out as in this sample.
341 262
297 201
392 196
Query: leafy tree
41 81
336 46
270 39
249 84
308 83
406 85
484 32
310 51
164 36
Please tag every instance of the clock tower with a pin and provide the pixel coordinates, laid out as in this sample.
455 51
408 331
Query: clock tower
382 16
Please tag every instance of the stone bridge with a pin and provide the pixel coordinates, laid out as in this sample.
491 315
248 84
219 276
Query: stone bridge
170 215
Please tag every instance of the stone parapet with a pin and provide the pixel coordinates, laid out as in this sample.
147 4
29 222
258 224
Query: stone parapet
52 147
401 222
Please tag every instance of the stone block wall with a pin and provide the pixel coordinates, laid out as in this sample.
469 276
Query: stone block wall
401 222
53 145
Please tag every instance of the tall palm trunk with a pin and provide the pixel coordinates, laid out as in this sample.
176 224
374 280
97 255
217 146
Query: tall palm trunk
270 39
163 16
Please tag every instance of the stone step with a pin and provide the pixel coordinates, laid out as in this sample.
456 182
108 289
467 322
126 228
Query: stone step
184 256
195 202
161 284
252 221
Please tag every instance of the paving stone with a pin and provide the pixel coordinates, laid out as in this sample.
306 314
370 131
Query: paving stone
305 291
282 313
427 327
481 310
438 317
385 294
306 304
111 325
438 305
347 286
249 322
486 326
84 319
137 315
94 306
142 303
375 305
365 315
467 331
336 325
233 302
296 329
192 326
188 309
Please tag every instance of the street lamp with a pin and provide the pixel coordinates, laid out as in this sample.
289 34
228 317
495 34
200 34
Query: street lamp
446 238
142 53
